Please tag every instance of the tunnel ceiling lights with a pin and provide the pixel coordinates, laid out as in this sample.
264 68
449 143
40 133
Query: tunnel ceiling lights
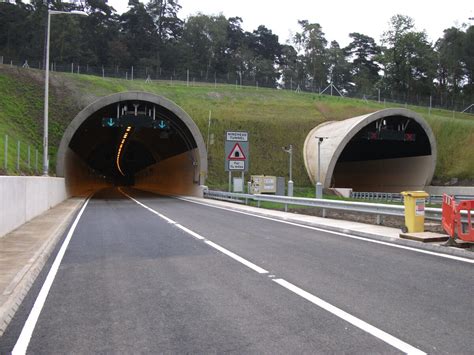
120 149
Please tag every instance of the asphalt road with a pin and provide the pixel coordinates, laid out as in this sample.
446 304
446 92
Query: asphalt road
172 276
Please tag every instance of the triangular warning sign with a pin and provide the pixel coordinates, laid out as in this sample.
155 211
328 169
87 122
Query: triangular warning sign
236 153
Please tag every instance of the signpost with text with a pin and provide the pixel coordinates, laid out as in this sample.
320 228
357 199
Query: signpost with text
236 153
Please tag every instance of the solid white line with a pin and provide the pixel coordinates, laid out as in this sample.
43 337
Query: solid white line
380 334
421 251
30 324
200 237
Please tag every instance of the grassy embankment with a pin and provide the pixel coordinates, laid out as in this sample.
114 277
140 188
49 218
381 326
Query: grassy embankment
274 118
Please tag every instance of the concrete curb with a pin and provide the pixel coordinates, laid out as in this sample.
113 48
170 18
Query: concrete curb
379 237
17 290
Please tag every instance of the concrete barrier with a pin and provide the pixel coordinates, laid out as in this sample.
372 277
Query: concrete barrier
25 197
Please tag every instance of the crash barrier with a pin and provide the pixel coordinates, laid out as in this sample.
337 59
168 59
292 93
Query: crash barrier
458 218
377 209
396 197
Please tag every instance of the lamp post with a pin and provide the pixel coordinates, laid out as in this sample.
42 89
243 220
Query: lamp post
289 150
319 185
46 87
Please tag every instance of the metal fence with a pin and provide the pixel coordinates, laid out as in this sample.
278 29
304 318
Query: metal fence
193 76
377 209
396 197
19 157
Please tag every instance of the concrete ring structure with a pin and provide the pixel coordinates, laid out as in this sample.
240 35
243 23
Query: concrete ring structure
386 151
179 167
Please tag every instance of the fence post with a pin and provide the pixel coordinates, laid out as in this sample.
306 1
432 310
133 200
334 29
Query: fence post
72 68
429 110
18 156
6 152
29 157
1 59
36 161
103 72
132 72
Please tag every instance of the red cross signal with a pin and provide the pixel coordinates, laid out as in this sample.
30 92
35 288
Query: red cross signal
236 153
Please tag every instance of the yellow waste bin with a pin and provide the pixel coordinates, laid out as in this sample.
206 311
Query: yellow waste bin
414 211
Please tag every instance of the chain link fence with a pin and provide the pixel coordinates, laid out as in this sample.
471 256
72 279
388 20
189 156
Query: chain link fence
191 77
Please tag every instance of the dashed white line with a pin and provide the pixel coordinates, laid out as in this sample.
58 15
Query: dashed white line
25 336
196 235
374 331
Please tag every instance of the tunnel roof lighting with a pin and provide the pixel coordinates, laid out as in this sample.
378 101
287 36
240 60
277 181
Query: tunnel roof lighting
119 151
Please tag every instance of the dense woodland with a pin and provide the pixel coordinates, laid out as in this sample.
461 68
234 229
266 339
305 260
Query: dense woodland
154 40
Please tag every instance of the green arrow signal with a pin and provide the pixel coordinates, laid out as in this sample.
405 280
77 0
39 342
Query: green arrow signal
162 124
110 122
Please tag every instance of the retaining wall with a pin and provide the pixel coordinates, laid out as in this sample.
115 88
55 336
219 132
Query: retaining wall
25 197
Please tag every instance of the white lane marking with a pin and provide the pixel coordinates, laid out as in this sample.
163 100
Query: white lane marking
189 231
30 324
447 256
196 235
380 334
236 257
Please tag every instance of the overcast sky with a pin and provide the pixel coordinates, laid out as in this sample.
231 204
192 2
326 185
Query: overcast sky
337 18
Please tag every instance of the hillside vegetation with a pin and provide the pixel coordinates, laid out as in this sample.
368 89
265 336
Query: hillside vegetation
274 118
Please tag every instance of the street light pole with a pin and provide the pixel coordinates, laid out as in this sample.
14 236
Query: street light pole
46 88
319 186
289 150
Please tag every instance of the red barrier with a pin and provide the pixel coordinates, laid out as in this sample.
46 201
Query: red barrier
457 219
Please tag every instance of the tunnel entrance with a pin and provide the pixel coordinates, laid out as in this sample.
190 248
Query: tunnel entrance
387 151
133 139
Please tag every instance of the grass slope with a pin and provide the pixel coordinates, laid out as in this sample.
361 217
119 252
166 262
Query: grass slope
274 118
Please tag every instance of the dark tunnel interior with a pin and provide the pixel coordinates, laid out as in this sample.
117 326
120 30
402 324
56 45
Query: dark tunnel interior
124 138
388 138
388 155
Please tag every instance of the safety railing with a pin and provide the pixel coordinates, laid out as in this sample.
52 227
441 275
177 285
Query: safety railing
377 209
396 197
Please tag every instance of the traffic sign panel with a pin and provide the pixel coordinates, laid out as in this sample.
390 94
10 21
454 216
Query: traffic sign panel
236 153
237 136
237 165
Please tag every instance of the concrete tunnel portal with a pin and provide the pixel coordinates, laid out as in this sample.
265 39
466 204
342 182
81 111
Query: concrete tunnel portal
133 139
386 151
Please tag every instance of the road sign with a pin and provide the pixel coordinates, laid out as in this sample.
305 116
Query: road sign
138 121
237 151
237 136
236 165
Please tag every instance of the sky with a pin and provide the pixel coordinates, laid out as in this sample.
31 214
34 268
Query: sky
337 18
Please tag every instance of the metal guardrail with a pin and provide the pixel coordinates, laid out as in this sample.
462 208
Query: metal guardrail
395 197
377 209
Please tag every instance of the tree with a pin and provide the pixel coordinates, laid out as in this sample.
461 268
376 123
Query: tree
409 59
451 66
266 52
312 43
338 66
362 52
469 62
138 30
205 41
